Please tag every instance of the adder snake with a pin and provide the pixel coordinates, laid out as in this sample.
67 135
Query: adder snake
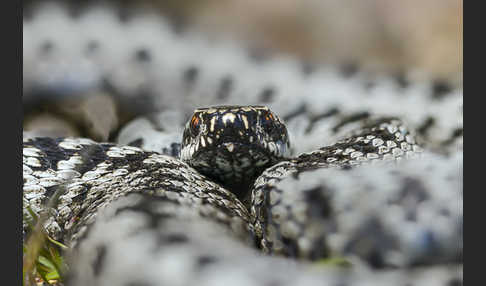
372 174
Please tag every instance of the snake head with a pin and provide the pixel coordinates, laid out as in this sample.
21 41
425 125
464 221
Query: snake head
234 144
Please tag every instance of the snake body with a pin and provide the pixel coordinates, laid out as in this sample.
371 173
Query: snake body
374 175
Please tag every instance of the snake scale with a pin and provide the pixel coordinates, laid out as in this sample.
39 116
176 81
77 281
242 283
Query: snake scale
372 173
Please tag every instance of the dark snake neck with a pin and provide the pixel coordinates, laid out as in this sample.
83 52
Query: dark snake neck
241 186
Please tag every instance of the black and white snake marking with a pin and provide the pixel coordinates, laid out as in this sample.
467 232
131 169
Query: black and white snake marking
373 173
234 144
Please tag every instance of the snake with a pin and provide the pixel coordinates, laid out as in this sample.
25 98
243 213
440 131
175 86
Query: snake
234 144
382 193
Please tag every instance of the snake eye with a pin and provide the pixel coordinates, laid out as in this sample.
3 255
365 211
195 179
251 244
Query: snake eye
268 118
195 122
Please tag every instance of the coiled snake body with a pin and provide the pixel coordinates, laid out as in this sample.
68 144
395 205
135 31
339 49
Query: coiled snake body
196 213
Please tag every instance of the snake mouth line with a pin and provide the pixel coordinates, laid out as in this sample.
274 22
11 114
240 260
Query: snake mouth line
273 149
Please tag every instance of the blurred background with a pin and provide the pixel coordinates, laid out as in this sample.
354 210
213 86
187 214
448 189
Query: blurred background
378 36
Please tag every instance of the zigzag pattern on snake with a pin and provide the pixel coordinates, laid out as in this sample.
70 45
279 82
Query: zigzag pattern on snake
184 227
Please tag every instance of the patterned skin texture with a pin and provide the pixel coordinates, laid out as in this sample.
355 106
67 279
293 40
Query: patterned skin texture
400 220
234 144
88 175
303 217
356 185
139 240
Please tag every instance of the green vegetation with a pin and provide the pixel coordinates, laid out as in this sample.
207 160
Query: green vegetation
336 261
42 256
